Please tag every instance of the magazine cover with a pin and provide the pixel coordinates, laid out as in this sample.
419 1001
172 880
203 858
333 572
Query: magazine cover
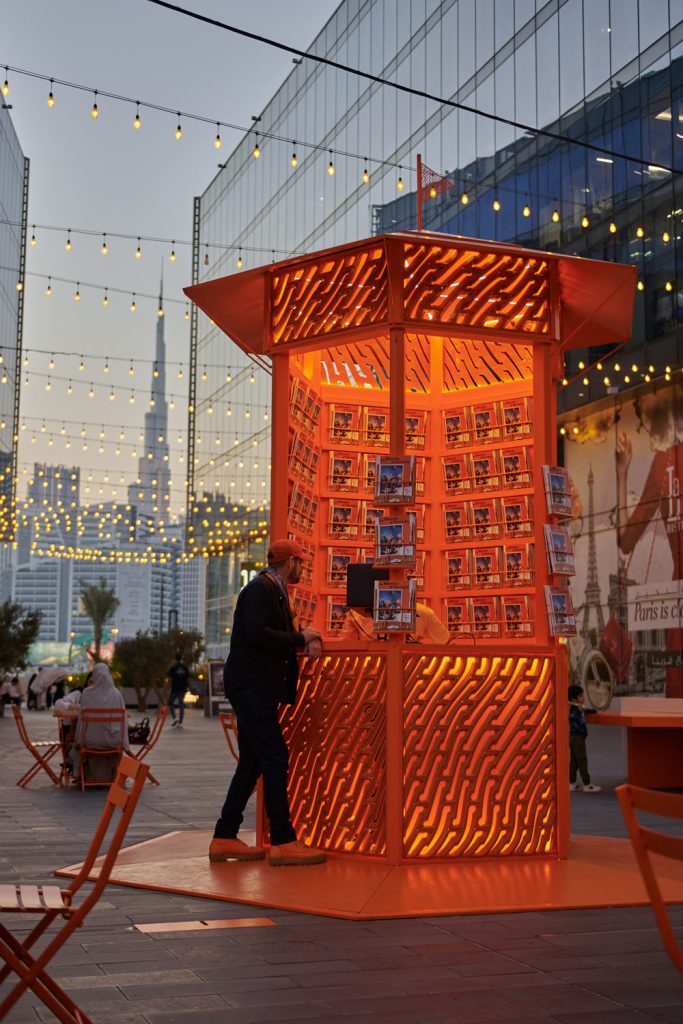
344 424
337 562
516 515
517 566
561 618
485 516
456 474
558 492
369 517
369 472
485 616
457 527
343 472
297 398
514 417
456 615
416 429
458 569
487 567
485 422
395 480
515 465
395 540
516 617
394 606
376 432
484 470
456 427
312 409
336 615
558 545
343 519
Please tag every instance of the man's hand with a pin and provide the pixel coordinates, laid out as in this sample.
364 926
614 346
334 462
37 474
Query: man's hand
310 634
314 649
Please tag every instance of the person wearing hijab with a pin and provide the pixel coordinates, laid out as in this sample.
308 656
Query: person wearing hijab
101 692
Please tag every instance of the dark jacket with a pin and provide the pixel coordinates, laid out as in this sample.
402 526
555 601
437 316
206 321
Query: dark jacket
577 721
264 643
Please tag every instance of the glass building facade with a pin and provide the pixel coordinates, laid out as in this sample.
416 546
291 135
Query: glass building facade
14 169
603 71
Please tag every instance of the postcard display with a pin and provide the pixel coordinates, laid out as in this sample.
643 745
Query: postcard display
438 356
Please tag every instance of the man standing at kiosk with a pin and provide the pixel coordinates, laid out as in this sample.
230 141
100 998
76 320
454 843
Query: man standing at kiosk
262 671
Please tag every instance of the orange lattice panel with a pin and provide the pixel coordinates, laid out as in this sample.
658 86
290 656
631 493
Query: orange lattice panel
478 362
365 364
470 288
336 293
336 734
479 756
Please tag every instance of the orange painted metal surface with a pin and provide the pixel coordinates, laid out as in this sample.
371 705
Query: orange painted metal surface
445 349
654 744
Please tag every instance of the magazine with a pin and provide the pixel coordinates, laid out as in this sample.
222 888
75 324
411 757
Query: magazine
458 569
456 474
558 491
369 473
561 618
516 618
395 540
514 417
485 516
312 409
515 465
517 566
456 428
343 519
457 527
395 479
457 620
484 616
297 398
558 545
376 430
343 474
486 567
485 422
516 515
338 560
336 615
416 428
344 424
394 606
370 516
484 470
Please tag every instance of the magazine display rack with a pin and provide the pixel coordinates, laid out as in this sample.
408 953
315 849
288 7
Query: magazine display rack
442 353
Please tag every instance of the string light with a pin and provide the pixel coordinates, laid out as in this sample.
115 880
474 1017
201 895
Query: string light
612 227
555 216
179 130
496 205
137 122
668 286
217 141
50 98
5 84
240 262
172 256
640 286
68 241
206 256
77 296
138 251
256 151
105 300
366 172
95 113
33 238
584 221
399 183
330 166
666 237
81 365
639 232
464 199
526 212
133 306
105 248
293 158
187 313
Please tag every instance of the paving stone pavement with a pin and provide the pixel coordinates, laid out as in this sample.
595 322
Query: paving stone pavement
558 967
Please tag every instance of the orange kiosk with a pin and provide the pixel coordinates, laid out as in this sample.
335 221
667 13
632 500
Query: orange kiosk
447 349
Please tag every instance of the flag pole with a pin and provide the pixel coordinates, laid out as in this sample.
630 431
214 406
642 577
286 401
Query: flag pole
419 192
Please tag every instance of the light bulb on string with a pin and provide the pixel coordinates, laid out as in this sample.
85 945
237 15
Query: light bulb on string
256 151
5 84
172 256
105 368
366 172
33 238
668 286
640 286
180 373
612 227
179 130
50 98
91 392
51 364
105 300
330 166
69 389
104 248
133 306
496 205
131 370
138 251
293 158
95 113
666 237
464 199
240 261
526 212
137 122
131 400
48 290
206 255
639 232
77 296
112 396
19 286
187 312
68 241
399 184
217 141
584 221
160 311
555 216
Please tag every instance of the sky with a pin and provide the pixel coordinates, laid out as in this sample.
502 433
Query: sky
105 176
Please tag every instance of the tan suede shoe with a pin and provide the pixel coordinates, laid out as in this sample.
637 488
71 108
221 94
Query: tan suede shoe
291 854
234 849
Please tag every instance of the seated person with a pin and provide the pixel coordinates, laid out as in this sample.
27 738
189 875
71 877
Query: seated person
101 692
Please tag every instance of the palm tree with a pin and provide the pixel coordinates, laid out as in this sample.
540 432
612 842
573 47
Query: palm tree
99 603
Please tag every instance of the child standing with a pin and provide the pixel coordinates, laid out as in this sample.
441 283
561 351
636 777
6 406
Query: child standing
578 732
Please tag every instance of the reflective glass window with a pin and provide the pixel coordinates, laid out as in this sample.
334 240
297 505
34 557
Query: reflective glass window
624 32
548 82
654 21
571 55
466 31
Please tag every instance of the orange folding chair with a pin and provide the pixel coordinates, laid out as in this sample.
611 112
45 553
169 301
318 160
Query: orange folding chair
150 742
43 751
229 723
88 752
647 841
51 902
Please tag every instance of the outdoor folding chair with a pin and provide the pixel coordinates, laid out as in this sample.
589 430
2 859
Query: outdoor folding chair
51 902
150 742
647 841
43 751
229 723
89 754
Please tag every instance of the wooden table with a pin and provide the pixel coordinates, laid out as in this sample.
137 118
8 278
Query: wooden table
654 745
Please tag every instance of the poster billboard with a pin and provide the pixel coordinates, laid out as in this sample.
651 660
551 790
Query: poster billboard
625 459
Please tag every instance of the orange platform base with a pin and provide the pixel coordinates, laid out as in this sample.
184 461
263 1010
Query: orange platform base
599 873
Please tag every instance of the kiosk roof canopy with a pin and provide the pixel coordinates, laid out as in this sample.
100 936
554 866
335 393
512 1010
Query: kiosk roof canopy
438 284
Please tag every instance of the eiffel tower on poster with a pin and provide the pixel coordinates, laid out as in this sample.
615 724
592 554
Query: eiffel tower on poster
592 598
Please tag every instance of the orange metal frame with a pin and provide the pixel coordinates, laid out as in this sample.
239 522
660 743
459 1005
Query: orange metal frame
413 752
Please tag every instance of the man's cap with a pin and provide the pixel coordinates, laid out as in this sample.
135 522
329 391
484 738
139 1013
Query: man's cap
281 550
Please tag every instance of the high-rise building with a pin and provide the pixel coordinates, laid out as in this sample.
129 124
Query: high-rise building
337 162
151 492
14 174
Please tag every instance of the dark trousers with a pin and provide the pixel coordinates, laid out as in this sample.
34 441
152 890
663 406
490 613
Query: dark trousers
262 751
578 759
179 699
